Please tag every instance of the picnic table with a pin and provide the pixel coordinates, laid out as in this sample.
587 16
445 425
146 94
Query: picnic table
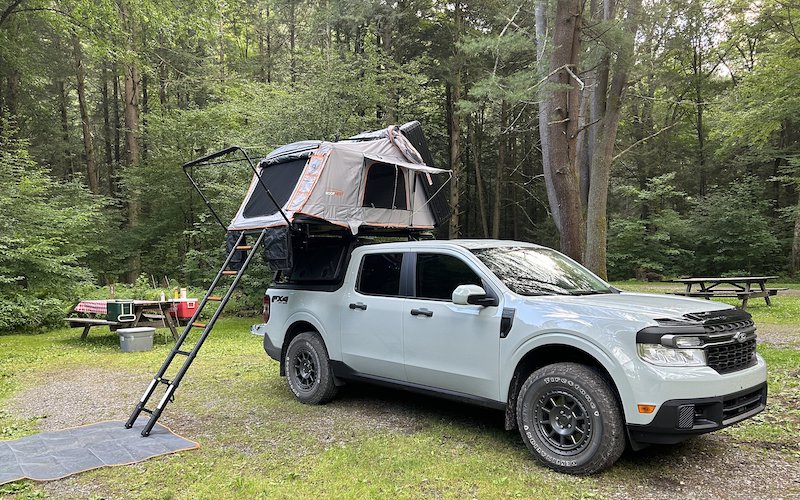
741 287
91 313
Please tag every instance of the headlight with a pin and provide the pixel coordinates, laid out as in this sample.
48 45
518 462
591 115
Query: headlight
665 356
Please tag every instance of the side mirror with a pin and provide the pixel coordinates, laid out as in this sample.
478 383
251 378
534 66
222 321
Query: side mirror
472 294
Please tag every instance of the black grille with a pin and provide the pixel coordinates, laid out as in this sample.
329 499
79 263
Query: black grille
731 357
733 407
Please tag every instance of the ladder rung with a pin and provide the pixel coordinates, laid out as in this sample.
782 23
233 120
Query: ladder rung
164 381
230 273
183 352
199 325
244 247
147 411
215 298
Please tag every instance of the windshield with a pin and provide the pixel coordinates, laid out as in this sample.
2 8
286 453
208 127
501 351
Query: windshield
540 271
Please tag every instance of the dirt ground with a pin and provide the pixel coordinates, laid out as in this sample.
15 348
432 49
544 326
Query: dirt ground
711 466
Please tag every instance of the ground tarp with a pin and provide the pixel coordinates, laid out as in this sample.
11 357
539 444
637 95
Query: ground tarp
57 454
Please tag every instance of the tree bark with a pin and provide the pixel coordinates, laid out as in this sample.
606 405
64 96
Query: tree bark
544 110
109 159
88 148
596 214
476 162
132 151
563 105
455 131
499 179
796 242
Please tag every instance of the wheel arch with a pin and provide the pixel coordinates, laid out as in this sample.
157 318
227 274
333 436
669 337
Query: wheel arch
295 329
548 354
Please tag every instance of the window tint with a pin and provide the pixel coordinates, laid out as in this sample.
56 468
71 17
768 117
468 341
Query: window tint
438 275
380 274
385 188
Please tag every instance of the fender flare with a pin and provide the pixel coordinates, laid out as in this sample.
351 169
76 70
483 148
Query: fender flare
610 364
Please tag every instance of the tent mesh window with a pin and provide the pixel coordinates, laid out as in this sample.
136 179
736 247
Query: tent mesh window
281 179
385 187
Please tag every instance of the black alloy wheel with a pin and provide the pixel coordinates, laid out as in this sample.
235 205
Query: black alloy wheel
308 370
570 419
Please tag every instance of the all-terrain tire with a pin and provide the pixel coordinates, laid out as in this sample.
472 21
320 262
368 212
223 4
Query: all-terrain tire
308 370
569 419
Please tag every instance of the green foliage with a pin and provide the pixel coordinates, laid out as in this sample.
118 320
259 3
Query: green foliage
46 231
733 233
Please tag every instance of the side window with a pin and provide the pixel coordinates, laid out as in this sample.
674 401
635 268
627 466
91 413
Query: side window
380 274
385 187
438 275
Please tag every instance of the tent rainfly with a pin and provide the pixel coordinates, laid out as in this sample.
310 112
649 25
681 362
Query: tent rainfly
383 179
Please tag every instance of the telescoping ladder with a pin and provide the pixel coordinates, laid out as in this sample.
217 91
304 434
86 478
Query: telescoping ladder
188 353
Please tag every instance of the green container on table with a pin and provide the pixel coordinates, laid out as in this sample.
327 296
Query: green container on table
120 311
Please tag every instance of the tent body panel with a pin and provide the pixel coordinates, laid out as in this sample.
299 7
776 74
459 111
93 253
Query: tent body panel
327 181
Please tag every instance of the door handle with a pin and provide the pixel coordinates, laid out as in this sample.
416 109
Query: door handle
359 305
421 312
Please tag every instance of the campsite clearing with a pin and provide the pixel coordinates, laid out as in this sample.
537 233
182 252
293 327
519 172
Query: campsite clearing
257 441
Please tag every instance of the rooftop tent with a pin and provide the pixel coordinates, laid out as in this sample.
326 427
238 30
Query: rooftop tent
382 179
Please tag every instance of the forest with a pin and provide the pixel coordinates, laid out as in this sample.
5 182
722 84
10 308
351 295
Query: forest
644 138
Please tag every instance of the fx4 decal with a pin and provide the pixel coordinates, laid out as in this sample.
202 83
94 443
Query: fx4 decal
281 299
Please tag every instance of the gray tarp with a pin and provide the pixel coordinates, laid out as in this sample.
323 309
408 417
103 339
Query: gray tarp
53 455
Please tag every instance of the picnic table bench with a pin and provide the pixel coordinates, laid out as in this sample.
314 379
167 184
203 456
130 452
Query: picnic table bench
153 313
743 288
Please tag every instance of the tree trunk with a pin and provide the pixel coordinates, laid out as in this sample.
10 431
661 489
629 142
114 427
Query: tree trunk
796 242
117 123
455 157
455 130
499 179
62 108
109 159
476 161
563 106
544 110
132 152
292 41
88 149
596 215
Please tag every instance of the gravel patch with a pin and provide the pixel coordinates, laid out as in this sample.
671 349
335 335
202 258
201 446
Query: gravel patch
79 396
779 335
712 466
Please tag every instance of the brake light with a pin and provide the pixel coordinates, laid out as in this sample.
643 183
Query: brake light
265 309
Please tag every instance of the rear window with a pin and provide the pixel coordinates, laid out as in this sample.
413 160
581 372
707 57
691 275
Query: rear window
380 274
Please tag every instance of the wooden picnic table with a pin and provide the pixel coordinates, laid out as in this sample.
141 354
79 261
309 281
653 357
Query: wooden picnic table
741 287
153 313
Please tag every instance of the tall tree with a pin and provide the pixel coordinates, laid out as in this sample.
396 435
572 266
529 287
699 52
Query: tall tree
88 149
561 110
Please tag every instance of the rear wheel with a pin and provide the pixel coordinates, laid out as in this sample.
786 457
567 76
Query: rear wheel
569 419
308 371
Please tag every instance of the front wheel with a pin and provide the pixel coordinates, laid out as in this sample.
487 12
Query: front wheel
569 419
308 371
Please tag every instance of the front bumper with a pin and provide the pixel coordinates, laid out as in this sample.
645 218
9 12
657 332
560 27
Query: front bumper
679 419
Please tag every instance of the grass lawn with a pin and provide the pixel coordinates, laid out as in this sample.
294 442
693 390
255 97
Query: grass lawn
258 442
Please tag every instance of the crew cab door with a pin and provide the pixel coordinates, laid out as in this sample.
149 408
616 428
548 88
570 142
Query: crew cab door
448 346
371 318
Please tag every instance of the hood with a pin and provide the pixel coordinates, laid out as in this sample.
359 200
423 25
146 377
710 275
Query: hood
636 306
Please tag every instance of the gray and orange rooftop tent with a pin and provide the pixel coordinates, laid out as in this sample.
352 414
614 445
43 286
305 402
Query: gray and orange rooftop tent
383 180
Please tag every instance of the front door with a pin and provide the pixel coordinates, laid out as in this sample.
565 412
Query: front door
449 346
371 319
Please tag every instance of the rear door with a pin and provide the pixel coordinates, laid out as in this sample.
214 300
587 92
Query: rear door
449 346
371 318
